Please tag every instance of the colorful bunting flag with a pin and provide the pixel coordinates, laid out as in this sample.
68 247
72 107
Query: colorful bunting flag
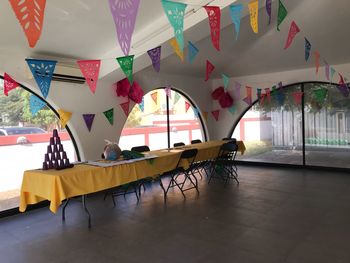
327 71
268 94
233 109
196 113
332 73
216 114
35 104
307 49
226 80
293 31
168 92
280 97
214 15
109 114
192 51
9 84
268 6
142 104
262 98
125 107
209 69
89 119
248 98
282 13
177 97
175 12
155 55
124 15
320 95
258 93
154 97
64 117
187 106
342 87
205 115
126 64
30 15
236 13
238 87
42 71
317 60
254 13
90 70
177 49
298 95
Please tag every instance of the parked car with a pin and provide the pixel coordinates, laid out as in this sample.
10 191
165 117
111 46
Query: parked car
6 131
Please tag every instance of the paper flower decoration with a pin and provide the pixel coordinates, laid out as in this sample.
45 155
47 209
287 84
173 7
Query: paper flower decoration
217 93
122 87
226 101
136 93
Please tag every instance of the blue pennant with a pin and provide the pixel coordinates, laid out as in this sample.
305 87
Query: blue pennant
192 51
142 105
236 13
307 49
42 71
196 113
35 104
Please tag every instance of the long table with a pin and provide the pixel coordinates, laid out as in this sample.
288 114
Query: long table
59 185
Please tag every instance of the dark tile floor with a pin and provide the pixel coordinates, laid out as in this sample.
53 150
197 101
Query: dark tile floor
274 215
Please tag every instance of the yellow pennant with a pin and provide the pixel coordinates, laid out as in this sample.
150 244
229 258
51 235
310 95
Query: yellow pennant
64 117
254 12
205 114
177 49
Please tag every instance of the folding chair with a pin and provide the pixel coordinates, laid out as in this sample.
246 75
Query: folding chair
224 165
175 180
141 183
196 141
123 190
178 144
140 149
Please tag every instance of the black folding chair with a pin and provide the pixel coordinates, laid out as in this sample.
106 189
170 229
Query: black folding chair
140 149
141 183
175 174
178 144
224 166
196 141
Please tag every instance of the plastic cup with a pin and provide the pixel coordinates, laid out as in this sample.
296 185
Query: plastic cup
55 133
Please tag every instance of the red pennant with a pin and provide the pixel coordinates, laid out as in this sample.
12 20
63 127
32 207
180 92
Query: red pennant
214 15
154 96
90 69
268 94
125 107
317 60
293 31
30 15
298 95
216 114
209 70
187 106
9 84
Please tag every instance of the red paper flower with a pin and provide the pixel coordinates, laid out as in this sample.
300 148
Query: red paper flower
226 101
217 93
123 87
136 93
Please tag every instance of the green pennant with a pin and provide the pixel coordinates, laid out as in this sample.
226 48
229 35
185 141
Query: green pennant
320 95
109 114
126 64
177 98
233 109
282 13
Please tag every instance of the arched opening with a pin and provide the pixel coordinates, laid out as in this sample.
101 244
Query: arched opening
23 140
314 131
161 120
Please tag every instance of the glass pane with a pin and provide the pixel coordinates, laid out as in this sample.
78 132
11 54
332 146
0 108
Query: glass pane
327 126
23 142
271 131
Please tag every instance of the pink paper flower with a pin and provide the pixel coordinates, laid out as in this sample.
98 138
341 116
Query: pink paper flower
217 93
226 101
122 87
136 93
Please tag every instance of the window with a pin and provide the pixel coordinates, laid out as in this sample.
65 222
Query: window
149 126
23 142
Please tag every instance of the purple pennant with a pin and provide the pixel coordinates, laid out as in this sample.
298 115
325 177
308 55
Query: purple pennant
238 90
268 9
89 119
327 69
124 14
154 54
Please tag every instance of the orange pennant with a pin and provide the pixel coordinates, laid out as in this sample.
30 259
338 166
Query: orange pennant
30 15
177 49
9 84
205 115
154 96
317 60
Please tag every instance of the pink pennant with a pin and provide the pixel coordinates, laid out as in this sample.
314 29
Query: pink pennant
187 106
262 98
317 60
293 31
298 95
125 107
168 92
209 69
216 114
9 84
214 15
268 94
90 70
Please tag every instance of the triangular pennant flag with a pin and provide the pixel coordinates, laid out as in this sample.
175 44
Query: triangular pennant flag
30 15
298 95
196 113
124 15
268 94
307 49
192 51
258 94
226 80
125 107
342 87
317 61
177 49
176 12
238 87
254 13
35 104
214 15
126 64
280 97
320 95
42 71
209 69
64 117
154 97
155 54
293 31
262 98
233 109
332 73
89 119
327 71
282 13
248 99
187 106
168 92
268 6
90 70
9 84
142 104
205 115
216 114
177 98
109 114
280 85
236 13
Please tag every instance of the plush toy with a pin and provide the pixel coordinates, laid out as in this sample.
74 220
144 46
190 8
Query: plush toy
111 151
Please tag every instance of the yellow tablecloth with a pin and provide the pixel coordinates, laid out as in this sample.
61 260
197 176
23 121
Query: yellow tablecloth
58 185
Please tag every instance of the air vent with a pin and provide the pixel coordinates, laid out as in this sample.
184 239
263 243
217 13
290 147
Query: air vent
68 78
